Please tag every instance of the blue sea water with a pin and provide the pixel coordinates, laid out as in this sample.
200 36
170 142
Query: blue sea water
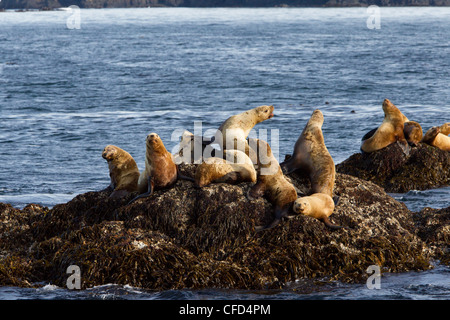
66 93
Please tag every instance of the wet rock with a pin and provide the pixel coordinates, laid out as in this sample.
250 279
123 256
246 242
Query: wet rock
425 167
433 227
186 237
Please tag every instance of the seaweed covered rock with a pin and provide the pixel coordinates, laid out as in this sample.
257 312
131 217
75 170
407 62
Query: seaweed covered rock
187 237
425 167
433 227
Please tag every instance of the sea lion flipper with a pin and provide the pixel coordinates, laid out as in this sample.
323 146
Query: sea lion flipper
280 213
369 134
287 166
183 177
230 178
404 146
330 225
108 188
256 191
146 194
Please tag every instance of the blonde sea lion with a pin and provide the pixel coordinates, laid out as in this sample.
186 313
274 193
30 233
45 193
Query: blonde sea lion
123 171
236 167
445 129
271 183
160 169
317 205
413 132
435 138
311 156
390 130
235 129
191 148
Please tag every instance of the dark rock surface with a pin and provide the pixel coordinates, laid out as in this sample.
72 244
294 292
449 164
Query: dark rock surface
425 167
186 237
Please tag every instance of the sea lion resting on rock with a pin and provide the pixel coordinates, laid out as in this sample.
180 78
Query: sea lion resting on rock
435 138
317 205
390 130
236 167
311 156
232 134
445 129
123 171
160 169
192 148
271 183
413 132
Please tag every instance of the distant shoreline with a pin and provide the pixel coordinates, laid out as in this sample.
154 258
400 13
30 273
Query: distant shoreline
34 9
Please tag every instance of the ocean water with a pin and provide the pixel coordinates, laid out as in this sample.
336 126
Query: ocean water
73 82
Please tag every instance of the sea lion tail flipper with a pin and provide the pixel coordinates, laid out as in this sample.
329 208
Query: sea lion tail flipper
280 213
146 194
183 177
328 223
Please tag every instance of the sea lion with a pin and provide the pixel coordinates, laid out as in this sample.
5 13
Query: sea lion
311 156
123 171
390 130
435 138
234 131
160 169
413 132
192 148
445 129
317 205
236 167
271 183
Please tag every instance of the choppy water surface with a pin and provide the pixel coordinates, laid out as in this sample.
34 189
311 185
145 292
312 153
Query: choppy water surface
65 94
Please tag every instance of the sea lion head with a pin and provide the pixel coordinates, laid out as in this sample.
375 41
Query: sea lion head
390 109
154 142
445 128
317 117
264 112
110 152
431 134
301 205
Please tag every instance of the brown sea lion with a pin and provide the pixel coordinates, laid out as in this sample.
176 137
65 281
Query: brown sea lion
413 132
312 157
435 138
160 169
317 205
235 168
233 132
271 183
390 131
123 171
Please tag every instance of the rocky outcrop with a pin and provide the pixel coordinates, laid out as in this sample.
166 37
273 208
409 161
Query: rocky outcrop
425 167
186 237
